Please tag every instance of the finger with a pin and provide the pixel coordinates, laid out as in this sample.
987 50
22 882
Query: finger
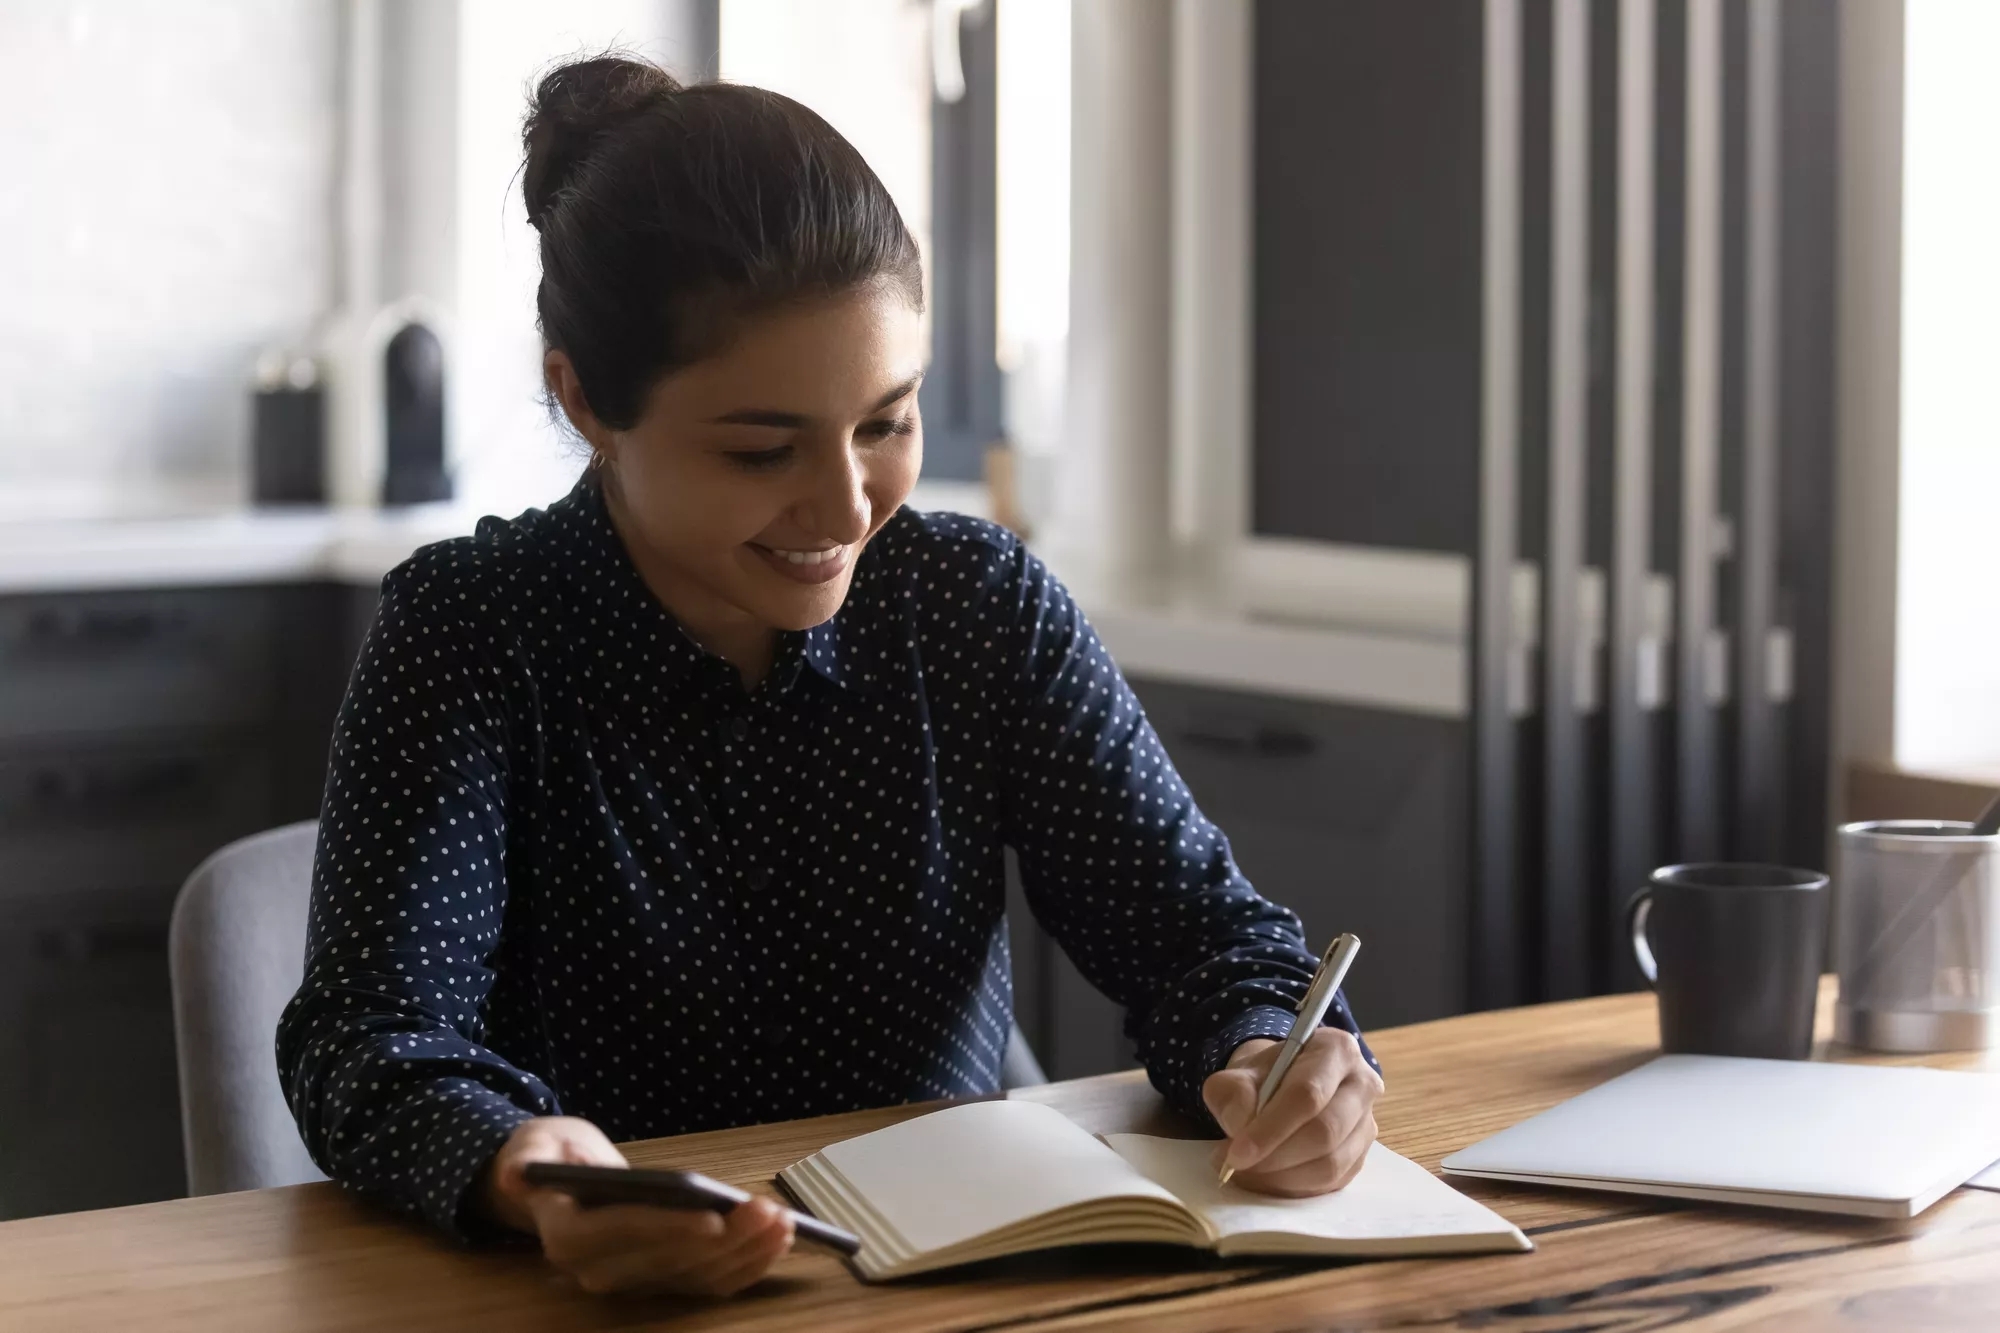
1319 1175
595 1150
652 1269
1325 1132
724 1279
1309 1142
1295 1182
758 1228
739 1255
559 1139
1255 1053
1352 1155
573 1236
1308 1086
505 1192
1231 1096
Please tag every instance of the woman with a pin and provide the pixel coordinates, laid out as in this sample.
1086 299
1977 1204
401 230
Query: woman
682 803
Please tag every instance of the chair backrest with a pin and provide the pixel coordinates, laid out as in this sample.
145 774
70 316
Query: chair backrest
237 952
1018 1066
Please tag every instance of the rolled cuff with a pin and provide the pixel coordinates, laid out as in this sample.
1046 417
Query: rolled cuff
470 1123
1275 1022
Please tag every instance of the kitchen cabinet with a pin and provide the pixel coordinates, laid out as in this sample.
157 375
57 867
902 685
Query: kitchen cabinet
140 730
1354 818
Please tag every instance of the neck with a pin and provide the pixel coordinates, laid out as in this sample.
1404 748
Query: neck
727 631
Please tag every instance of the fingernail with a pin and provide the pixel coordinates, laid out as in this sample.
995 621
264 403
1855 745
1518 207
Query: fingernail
1241 1154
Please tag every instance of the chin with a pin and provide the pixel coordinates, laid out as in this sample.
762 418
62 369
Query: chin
802 608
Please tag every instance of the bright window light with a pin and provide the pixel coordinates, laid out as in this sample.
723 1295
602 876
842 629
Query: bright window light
1948 618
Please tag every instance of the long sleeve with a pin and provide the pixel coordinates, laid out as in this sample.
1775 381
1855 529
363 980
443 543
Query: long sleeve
380 1051
1119 866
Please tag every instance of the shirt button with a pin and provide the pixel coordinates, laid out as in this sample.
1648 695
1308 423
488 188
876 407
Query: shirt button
757 879
773 1035
738 728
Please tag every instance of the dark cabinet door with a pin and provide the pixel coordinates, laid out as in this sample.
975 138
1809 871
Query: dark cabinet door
1353 818
139 732
105 662
89 1101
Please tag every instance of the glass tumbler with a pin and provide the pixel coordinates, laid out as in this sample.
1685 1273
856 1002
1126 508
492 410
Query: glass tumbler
1917 936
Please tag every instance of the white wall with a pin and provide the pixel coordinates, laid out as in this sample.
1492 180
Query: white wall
1947 685
508 452
166 209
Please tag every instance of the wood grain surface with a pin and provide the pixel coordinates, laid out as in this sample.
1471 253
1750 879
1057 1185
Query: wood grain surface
311 1258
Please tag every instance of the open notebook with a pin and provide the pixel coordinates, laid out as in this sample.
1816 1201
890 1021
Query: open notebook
1003 1177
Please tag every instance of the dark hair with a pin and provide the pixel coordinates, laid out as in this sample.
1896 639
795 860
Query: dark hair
669 213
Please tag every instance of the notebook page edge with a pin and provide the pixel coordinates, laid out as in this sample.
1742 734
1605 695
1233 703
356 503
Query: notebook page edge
825 1199
945 1180
1073 1226
1263 1244
1429 1208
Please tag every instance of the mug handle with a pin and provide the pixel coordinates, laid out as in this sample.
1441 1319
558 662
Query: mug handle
1636 913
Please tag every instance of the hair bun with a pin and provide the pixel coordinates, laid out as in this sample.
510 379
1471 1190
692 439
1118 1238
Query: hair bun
574 107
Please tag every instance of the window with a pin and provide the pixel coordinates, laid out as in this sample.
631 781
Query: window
982 180
508 453
872 68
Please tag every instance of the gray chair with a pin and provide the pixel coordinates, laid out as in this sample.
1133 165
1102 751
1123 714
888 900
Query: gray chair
237 951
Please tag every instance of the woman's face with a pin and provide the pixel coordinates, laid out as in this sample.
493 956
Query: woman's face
749 487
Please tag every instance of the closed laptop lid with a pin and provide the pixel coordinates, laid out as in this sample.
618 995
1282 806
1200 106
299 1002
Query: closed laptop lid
1768 1126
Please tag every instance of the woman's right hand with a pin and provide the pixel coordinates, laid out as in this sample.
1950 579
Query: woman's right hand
628 1247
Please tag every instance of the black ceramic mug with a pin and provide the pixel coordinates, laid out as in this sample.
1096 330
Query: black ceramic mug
1734 952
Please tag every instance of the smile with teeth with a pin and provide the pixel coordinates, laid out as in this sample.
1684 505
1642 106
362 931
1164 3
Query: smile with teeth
806 557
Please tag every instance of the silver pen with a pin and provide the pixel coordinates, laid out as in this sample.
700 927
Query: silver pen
1333 965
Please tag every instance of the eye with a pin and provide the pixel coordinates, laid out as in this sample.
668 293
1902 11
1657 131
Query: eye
760 460
887 428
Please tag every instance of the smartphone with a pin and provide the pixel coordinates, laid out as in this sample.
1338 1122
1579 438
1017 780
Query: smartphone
593 1186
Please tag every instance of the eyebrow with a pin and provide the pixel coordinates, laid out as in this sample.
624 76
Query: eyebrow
763 416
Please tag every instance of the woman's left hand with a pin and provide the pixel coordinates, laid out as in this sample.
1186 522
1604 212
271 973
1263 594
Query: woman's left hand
1314 1133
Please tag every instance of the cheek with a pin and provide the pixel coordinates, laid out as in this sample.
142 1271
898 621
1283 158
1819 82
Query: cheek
891 476
690 512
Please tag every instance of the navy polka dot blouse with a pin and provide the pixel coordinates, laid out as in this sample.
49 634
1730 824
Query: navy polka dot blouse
568 865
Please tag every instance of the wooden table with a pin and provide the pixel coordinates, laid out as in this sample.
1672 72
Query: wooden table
309 1257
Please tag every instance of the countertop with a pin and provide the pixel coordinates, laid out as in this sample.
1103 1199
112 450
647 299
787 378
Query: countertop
1199 644
271 546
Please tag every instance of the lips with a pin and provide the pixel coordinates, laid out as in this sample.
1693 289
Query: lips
806 565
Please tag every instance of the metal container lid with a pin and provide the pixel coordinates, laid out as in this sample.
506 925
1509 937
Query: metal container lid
1910 834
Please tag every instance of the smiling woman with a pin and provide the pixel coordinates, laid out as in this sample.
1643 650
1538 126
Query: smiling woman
683 803
752 481
743 486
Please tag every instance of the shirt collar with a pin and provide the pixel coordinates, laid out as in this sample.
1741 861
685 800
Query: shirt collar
600 570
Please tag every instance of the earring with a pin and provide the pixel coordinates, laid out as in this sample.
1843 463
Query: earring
596 460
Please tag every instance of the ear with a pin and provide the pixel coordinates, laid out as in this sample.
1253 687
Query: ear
559 373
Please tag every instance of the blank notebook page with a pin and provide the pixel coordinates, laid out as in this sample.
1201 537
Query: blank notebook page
955 1174
1391 1198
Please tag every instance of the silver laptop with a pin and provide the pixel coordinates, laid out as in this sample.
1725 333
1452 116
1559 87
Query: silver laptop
1832 1138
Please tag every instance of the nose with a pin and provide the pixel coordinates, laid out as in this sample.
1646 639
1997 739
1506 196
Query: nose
835 506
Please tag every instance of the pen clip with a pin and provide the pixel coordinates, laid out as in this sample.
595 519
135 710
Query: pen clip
1326 965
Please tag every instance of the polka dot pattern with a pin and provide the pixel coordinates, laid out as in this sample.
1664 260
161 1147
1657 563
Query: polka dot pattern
569 865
